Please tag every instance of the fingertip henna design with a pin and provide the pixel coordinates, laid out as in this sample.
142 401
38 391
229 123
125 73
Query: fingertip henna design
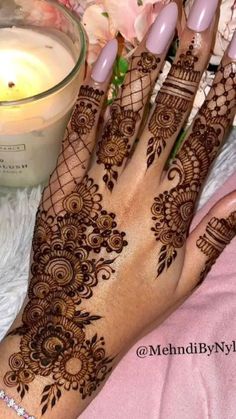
173 210
66 268
125 116
147 63
218 234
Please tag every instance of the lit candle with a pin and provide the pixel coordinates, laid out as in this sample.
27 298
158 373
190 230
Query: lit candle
32 62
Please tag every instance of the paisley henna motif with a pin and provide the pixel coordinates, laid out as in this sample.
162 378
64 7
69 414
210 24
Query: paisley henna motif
218 234
65 270
172 103
173 210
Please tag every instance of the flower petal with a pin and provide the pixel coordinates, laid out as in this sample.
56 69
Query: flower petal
96 25
144 20
122 15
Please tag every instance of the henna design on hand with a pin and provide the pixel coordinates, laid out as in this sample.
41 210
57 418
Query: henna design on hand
76 149
125 115
66 267
218 234
173 210
114 146
172 103
147 63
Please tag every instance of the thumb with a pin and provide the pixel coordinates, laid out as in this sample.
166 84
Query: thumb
206 243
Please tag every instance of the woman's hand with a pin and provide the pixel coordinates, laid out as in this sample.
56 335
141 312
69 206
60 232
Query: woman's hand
112 253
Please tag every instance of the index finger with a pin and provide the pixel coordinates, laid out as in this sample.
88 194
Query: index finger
81 132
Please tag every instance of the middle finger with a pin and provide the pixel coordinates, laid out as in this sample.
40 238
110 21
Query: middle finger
175 99
126 113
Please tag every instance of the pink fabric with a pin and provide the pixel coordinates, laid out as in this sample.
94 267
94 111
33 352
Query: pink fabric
182 386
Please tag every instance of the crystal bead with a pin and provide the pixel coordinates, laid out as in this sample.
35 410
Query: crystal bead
20 411
11 403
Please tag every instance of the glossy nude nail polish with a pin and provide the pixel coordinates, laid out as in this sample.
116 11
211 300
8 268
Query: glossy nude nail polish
202 14
232 48
105 62
162 30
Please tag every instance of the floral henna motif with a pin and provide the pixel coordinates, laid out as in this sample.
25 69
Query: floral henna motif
172 103
115 146
76 148
125 116
65 269
173 210
218 234
147 63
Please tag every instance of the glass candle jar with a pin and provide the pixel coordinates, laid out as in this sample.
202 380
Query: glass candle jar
42 52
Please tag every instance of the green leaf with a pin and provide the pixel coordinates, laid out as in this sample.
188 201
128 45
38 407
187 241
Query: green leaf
120 69
179 142
117 81
123 65
177 145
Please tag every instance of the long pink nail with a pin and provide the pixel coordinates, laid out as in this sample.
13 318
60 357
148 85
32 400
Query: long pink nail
201 14
232 48
105 62
162 29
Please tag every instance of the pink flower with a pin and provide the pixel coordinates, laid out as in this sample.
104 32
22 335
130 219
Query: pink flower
98 29
77 6
41 13
130 18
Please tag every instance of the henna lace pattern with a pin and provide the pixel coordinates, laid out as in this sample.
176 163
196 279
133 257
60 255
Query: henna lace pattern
76 149
125 115
66 268
172 211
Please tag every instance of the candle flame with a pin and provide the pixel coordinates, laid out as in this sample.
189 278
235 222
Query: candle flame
7 71
20 70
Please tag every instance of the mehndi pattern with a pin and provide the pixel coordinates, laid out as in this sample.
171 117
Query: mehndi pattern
218 234
66 268
76 150
172 211
172 103
125 116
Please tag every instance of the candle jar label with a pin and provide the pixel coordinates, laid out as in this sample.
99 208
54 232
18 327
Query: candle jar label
42 57
28 159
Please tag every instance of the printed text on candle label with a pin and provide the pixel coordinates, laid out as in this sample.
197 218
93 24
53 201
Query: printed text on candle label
13 148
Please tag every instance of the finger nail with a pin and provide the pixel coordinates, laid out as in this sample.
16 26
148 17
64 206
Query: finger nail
105 62
162 29
201 14
232 48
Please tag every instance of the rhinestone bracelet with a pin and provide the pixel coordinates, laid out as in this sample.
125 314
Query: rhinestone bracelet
10 402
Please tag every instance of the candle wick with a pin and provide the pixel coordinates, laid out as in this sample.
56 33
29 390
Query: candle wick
11 84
